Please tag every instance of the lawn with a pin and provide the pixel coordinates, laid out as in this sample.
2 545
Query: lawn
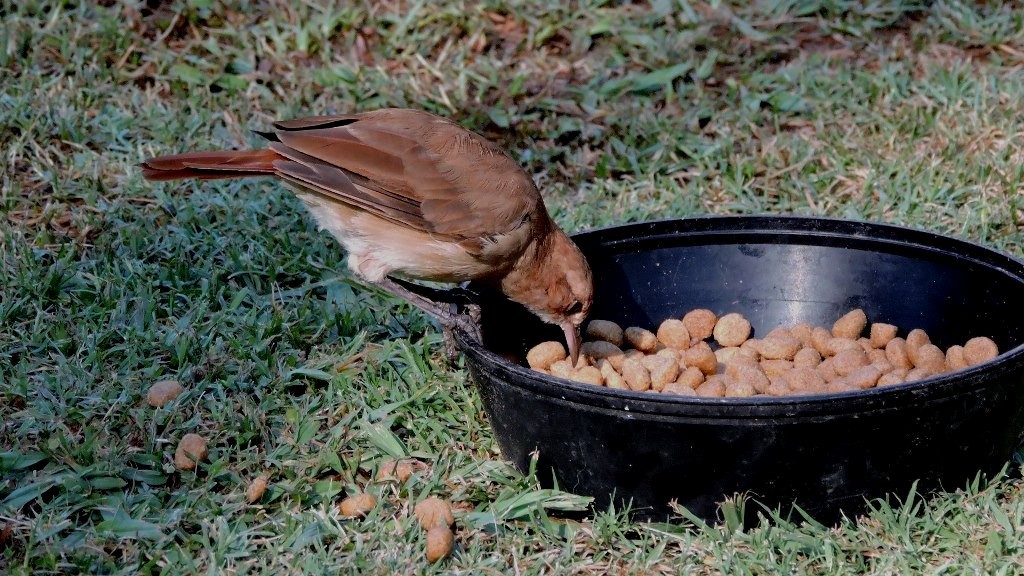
899 112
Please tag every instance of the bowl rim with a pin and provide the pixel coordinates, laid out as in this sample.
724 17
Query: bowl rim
761 406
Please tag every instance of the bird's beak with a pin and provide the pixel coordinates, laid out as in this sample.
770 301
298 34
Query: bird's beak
572 340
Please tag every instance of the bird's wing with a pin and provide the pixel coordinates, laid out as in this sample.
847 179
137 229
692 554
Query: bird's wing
409 167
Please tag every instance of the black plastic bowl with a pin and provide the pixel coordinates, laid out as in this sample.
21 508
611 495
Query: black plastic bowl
826 453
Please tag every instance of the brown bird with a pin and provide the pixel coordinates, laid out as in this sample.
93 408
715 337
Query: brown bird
410 194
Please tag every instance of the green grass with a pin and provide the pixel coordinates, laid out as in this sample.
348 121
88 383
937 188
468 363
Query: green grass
897 112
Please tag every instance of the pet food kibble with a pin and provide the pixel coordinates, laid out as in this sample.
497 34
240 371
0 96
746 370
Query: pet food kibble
806 358
191 449
700 323
955 358
980 349
865 344
739 389
803 379
731 330
847 361
776 367
827 369
864 377
779 331
820 337
851 325
605 330
881 334
915 339
613 379
896 352
837 345
400 470
544 354
434 511
679 389
701 357
751 374
838 387
636 376
357 505
802 332
778 347
588 375
877 355
889 379
778 387
561 369
440 542
603 350
931 358
690 377
883 365
641 339
663 371
163 392
916 374
256 490
673 333
714 386
727 354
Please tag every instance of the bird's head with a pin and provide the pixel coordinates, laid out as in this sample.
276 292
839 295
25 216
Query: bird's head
557 286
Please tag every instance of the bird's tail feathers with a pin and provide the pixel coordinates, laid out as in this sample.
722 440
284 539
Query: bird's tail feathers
210 165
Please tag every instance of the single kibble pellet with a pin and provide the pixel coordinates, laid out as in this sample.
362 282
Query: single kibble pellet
851 325
731 330
980 349
881 334
544 354
673 333
605 330
700 323
641 339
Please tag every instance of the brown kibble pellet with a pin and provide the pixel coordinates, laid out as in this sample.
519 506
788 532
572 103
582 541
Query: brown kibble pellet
827 370
916 374
806 358
603 350
778 387
691 377
702 357
837 345
780 331
751 374
673 333
561 369
865 344
896 352
851 325
955 358
881 334
776 367
714 386
931 358
727 354
700 323
803 379
883 365
163 392
889 379
731 330
636 375
615 381
739 389
400 470
543 355
820 338
679 389
839 386
663 371
588 375
434 511
847 361
864 377
357 505
256 489
191 449
440 542
877 355
980 349
605 331
915 339
802 332
641 339
779 347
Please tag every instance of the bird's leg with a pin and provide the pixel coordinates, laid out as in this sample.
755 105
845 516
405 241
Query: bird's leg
440 309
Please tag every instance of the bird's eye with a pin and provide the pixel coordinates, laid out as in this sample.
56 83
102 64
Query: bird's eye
574 308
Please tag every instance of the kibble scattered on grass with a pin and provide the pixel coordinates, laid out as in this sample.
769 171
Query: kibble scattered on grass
191 449
163 392
357 505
